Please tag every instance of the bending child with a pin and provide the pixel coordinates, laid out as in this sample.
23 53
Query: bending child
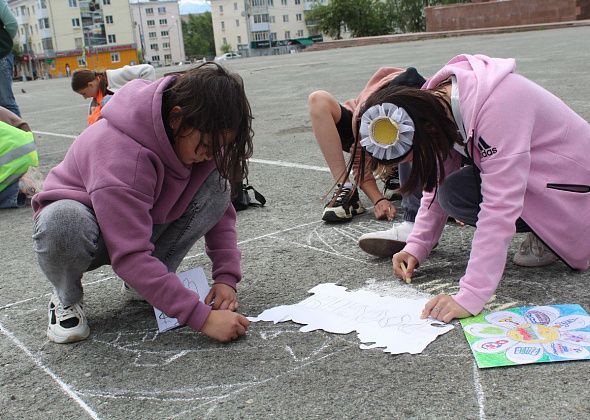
100 86
335 129
138 188
529 169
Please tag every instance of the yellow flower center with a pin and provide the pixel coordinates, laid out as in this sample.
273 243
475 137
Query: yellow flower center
384 131
534 334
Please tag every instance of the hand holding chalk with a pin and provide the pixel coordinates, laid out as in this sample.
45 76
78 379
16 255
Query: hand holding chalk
403 265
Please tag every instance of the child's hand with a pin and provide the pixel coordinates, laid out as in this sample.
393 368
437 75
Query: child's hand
221 296
410 262
384 209
225 325
444 308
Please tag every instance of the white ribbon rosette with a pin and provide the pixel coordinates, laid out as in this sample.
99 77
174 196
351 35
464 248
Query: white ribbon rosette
386 131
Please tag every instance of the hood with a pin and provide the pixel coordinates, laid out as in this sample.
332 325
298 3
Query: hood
477 77
136 110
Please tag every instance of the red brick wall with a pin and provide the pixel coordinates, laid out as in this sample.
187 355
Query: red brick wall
502 13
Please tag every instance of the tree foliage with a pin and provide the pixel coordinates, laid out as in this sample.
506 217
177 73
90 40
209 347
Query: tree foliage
371 17
198 36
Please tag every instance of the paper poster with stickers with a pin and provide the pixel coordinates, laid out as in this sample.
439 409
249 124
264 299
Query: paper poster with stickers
534 334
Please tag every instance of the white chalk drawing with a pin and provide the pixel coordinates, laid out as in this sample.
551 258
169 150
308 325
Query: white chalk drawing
386 322
194 279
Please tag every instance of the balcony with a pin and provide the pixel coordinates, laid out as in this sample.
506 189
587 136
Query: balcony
260 27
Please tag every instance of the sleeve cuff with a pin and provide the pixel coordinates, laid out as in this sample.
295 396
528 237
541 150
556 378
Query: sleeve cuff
199 316
469 301
418 251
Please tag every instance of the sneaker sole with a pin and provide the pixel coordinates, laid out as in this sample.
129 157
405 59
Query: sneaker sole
70 338
381 247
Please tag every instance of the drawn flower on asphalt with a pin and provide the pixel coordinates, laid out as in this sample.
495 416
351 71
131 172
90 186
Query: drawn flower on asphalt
528 337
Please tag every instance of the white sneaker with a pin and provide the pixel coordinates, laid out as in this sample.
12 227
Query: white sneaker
129 293
533 253
67 324
385 243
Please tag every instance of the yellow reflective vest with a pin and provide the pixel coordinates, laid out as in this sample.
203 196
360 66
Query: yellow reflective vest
17 153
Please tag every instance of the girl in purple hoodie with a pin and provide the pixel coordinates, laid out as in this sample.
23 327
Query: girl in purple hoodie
528 171
138 188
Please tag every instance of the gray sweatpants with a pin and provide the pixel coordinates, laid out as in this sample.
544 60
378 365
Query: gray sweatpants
411 201
68 241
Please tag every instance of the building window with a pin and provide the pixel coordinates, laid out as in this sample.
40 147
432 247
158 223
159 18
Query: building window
287 34
73 3
156 58
271 3
297 1
284 2
166 45
224 40
221 8
161 10
237 23
299 17
81 62
149 11
151 22
108 19
43 23
300 33
47 43
152 35
112 39
260 36
42 4
222 25
78 43
76 22
163 33
260 18
285 18
273 36
168 57
154 47
235 6
163 21
239 39
271 19
106 2
115 58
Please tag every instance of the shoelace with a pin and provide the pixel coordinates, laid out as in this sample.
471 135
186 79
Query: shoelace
66 312
342 194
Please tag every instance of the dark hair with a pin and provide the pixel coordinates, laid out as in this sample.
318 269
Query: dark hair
213 101
81 78
434 135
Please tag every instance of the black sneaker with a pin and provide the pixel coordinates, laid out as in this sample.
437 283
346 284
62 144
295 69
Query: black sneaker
391 185
344 204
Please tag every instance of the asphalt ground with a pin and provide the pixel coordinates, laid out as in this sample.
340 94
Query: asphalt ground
125 369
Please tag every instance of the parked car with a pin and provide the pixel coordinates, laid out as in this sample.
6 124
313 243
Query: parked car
228 56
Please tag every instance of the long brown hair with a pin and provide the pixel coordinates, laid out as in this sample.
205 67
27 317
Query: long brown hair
81 78
213 100
434 136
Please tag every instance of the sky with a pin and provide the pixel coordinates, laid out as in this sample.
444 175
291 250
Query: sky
194 6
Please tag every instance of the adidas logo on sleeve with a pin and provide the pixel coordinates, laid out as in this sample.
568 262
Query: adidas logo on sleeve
485 149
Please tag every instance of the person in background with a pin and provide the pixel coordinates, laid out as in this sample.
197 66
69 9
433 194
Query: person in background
8 29
100 86
138 188
19 178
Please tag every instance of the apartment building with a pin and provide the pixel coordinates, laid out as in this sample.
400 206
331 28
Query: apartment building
262 27
158 30
60 36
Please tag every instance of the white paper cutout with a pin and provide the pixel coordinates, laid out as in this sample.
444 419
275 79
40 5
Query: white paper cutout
195 280
388 322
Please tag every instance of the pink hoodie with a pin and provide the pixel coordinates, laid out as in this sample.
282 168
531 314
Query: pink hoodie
531 149
125 169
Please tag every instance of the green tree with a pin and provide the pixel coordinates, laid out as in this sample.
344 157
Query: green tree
225 48
197 34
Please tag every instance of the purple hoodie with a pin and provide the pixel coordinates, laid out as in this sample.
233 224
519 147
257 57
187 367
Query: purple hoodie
125 168
533 153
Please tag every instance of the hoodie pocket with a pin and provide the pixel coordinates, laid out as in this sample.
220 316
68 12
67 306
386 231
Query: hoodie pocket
575 188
